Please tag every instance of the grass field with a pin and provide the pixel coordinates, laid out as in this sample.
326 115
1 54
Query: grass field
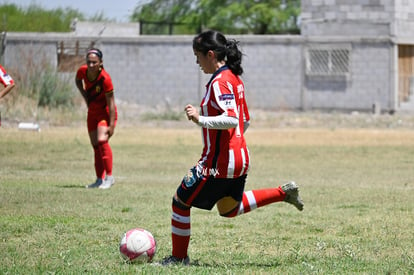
357 184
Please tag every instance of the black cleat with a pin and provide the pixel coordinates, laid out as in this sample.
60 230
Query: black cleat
171 260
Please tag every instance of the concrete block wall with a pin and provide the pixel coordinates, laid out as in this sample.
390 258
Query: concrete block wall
163 72
157 72
373 74
273 71
347 17
403 23
369 82
26 54
160 71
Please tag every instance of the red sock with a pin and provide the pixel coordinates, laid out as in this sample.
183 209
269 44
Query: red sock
99 167
181 231
106 153
257 198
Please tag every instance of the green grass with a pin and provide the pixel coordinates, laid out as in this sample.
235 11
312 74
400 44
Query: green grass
357 184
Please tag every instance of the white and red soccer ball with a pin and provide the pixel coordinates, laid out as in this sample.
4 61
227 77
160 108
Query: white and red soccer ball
138 246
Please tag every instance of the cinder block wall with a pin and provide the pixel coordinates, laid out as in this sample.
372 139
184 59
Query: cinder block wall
358 18
153 71
273 71
160 71
403 21
347 17
369 82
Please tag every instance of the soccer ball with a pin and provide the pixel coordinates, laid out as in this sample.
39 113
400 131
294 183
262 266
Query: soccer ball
138 246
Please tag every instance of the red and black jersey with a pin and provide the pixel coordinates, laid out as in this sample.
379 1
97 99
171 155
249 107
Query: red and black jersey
225 153
96 89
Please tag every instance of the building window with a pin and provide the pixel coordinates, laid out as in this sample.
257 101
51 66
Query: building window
327 61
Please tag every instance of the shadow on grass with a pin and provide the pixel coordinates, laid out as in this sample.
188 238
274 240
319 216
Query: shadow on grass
235 264
71 186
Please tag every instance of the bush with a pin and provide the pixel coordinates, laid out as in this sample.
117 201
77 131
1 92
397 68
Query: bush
41 92
54 90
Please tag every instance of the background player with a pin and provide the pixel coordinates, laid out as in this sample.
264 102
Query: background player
220 174
95 85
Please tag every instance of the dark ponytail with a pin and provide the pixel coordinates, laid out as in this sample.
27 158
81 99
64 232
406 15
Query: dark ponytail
225 50
234 57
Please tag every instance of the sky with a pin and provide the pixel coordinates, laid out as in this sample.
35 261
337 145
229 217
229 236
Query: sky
119 10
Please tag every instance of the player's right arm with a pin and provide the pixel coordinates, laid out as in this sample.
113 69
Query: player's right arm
6 90
79 85
219 122
7 82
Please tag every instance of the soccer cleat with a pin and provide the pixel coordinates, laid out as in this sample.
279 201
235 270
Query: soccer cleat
107 183
96 184
172 260
292 195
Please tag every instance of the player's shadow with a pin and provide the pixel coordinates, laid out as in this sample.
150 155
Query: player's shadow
235 264
71 186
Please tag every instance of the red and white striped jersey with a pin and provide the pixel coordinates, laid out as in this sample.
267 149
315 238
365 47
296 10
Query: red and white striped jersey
225 153
5 79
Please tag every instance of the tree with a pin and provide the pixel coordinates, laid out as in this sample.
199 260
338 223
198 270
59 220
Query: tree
228 16
36 19
160 16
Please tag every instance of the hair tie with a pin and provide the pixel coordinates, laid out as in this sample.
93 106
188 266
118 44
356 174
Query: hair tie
226 50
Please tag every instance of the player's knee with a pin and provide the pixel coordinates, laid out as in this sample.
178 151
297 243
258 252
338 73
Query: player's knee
177 203
231 214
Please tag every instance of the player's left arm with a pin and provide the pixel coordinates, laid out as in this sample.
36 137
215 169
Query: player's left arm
110 102
246 115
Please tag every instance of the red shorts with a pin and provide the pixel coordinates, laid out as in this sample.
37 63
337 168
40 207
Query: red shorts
98 119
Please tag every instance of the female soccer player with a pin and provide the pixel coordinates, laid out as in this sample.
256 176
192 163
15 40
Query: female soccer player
95 85
220 174
7 82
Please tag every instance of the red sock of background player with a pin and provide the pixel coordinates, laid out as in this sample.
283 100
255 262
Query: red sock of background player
106 155
257 198
99 167
180 230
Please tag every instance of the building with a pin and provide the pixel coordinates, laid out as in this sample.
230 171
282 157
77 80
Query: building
358 52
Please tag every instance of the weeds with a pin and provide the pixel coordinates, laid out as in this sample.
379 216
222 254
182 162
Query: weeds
167 115
55 90
39 89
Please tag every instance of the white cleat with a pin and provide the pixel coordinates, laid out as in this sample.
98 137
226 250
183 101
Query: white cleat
292 195
107 183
